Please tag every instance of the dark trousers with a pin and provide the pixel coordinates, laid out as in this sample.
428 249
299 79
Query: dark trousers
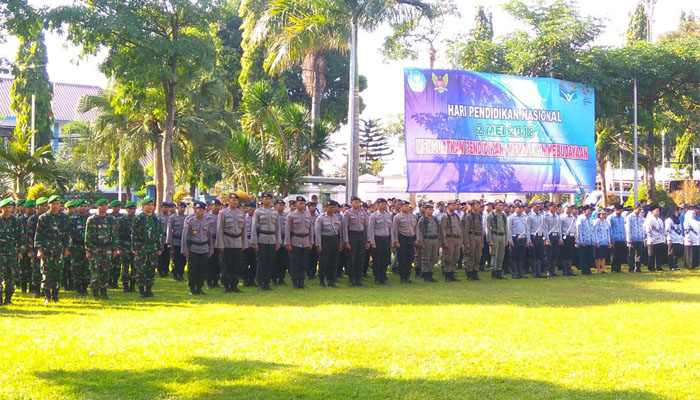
357 242
381 256
657 256
164 261
281 263
675 251
507 260
517 256
552 254
690 257
485 255
328 262
586 258
231 266
298 260
265 263
366 264
619 255
405 254
195 270
634 256
537 254
179 261
312 265
249 265
214 271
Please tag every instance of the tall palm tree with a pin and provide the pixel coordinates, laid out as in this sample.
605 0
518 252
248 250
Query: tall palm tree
241 154
303 26
18 163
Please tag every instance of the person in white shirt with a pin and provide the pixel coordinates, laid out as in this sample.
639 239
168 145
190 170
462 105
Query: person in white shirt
655 237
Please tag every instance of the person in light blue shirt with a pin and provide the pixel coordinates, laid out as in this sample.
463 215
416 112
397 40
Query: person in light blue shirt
602 241
584 241
634 232
618 239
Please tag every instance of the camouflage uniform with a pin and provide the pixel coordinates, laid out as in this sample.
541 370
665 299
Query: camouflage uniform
11 244
116 260
52 237
35 263
100 241
146 240
124 227
25 265
79 263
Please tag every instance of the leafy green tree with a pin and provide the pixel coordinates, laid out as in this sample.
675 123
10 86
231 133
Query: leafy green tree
373 142
637 29
483 29
152 45
31 78
21 165
19 19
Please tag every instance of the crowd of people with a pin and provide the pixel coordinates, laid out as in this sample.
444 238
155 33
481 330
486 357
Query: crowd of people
47 244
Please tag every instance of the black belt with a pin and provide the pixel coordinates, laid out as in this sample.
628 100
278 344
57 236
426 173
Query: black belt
355 232
232 236
498 233
191 242
329 236
383 237
407 237
430 237
454 236
303 235
476 233
261 232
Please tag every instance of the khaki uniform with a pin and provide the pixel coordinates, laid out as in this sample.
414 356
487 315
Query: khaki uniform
472 227
451 239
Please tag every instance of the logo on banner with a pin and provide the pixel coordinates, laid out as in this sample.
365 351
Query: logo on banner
567 93
586 90
416 81
440 83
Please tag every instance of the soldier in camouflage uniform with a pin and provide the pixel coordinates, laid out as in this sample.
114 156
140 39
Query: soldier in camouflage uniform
67 279
146 244
30 231
124 227
11 248
116 268
79 263
25 265
52 241
100 247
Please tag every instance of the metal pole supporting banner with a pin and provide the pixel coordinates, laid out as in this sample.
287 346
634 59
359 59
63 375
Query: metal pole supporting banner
353 156
636 172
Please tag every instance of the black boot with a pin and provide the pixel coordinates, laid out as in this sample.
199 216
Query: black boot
499 275
37 292
125 286
8 297
301 284
95 294
54 295
470 275
103 293
475 276
266 286
493 275
142 293
131 286
47 296
358 281
295 285
234 287
149 292
321 282
24 287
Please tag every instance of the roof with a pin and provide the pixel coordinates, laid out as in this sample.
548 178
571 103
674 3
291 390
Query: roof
66 97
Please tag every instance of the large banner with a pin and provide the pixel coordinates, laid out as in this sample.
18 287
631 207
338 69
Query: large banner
476 132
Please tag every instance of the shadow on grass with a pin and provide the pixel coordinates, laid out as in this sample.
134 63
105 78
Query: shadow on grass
210 378
579 291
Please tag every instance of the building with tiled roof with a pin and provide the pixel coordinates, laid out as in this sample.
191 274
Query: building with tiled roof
66 97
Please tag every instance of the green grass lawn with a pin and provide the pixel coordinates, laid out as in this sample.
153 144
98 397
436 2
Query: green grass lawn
629 336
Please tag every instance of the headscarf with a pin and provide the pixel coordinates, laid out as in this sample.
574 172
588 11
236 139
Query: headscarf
671 213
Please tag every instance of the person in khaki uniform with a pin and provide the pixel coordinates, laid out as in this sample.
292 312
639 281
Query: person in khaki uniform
428 233
451 240
496 234
473 234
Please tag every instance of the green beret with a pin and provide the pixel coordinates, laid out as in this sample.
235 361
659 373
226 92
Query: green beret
54 198
41 200
79 202
101 202
115 203
69 204
21 202
130 204
146 200
29 203
7 202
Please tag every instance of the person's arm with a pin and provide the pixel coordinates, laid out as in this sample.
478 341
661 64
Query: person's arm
184 248
220 222
317 231
370 230
419 231
254 229
395 230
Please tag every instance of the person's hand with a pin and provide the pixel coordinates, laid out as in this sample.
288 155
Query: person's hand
88 254
397 245
19 256
511 244
610 246
374 246
115 253
466 245
288 247
254 247
490 244
561 243
277 246
367 246
160 252
187 255
547 243
170 246
340 248
319 249
530 245
40 253
597 245
30 254
415 244
347 245
210 254
445 245
629 244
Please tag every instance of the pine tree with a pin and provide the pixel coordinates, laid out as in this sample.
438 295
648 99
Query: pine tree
484 25
637 30
373 143
31 78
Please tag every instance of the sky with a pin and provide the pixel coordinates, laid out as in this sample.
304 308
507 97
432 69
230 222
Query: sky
384 94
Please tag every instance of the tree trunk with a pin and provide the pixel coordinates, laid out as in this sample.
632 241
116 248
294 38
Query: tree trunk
158 175
192 188
128 193
168 174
